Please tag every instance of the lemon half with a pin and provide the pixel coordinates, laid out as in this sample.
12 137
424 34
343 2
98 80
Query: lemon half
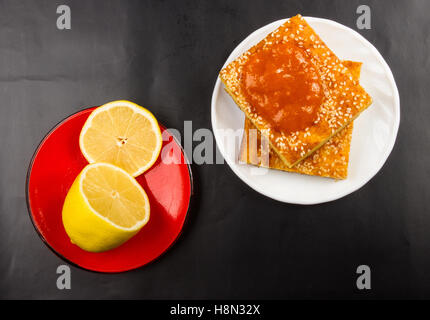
124 134
104 208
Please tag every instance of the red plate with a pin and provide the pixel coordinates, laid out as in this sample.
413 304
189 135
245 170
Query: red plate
55 165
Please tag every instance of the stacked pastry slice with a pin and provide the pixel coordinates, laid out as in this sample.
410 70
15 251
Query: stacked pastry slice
299 100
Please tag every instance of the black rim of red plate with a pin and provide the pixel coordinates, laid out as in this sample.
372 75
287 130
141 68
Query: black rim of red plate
30 167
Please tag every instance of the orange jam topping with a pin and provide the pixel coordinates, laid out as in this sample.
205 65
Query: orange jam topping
284 86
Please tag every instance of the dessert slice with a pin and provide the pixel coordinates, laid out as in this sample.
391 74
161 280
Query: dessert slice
331 160
294 90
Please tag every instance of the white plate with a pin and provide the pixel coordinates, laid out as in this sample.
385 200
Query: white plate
374 133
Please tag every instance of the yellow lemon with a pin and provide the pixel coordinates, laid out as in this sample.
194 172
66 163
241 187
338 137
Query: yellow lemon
124 134
104 208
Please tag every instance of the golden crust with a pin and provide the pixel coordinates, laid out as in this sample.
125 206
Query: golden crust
345 98
331 160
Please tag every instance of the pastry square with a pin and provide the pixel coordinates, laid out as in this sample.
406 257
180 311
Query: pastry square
294 90
331 160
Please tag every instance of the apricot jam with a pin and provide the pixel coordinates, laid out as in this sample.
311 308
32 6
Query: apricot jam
284 86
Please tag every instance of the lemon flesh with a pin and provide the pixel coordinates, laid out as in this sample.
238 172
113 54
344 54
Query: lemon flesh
104 208
124 134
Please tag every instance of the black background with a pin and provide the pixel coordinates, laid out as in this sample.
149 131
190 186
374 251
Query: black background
237 243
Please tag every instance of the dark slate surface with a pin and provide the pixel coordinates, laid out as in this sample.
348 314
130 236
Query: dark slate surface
237 243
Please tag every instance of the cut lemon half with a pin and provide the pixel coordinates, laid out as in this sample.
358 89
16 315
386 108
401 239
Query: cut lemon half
124 134
104 208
